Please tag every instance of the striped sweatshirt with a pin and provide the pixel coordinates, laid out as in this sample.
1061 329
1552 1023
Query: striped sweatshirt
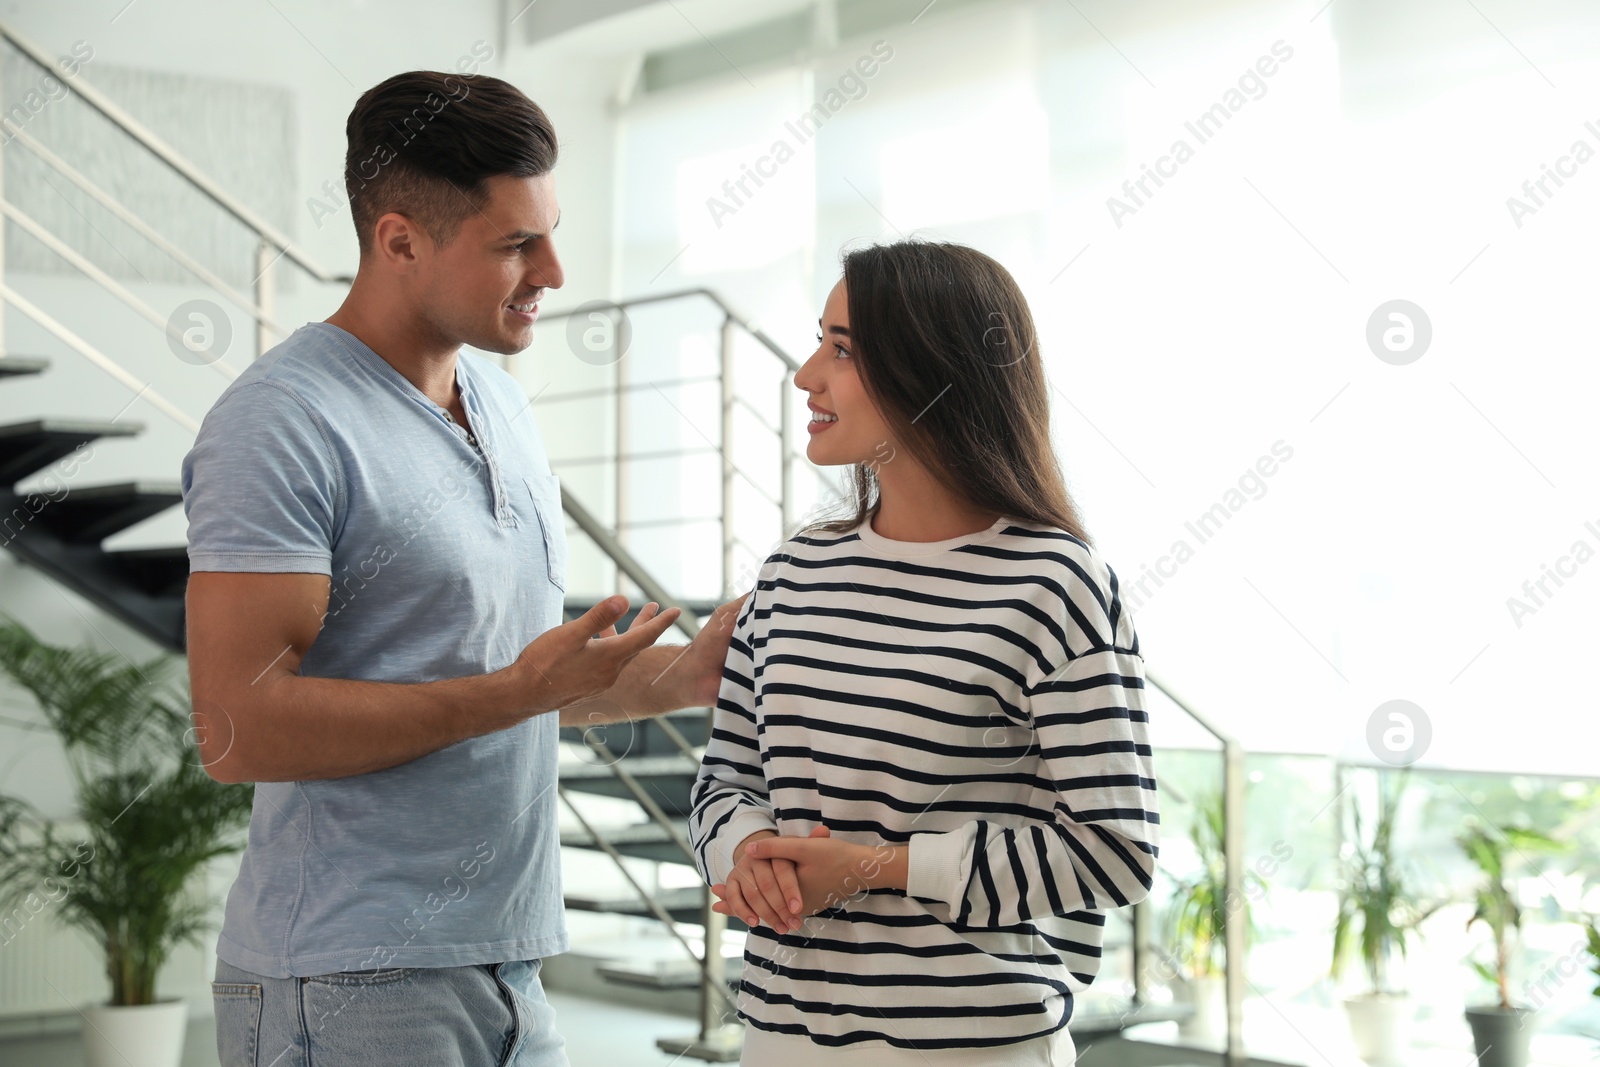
980 699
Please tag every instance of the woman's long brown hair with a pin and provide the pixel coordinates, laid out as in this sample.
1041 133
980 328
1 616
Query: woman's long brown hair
946 348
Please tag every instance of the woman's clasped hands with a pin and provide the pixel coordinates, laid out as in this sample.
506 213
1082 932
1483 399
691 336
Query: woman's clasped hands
781 881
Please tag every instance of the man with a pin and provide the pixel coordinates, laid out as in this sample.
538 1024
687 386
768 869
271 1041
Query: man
378 565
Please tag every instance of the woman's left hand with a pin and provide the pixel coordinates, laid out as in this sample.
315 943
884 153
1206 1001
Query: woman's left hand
700 673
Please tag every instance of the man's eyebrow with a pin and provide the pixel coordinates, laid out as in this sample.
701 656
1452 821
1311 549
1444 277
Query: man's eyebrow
835 329
523 235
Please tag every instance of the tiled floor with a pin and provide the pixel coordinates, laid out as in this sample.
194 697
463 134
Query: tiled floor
597 1034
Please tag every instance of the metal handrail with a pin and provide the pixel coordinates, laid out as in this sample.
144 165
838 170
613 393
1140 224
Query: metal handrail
672 520
98 358
631 387
139 226
728 403
174 161
626 562
1187 708
710 294
104 280
612 457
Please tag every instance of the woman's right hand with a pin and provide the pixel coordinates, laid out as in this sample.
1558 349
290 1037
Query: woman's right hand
744 887
760 891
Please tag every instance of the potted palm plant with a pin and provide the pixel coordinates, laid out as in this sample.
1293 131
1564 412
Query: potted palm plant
151 820
1376 916
1197 921
1500 1030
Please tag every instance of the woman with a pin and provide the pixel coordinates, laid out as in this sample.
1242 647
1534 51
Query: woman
937 702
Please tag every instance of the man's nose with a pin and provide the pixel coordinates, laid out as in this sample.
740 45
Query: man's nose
548 272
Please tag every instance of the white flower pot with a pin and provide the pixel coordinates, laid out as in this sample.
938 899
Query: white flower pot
1380 1024
1208 996
145 1035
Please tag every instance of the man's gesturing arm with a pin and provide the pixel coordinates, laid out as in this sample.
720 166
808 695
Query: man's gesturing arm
258 720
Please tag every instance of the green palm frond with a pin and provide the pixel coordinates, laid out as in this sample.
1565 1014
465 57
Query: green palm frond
152 817
106 709
1378 912
1496 850
1198 915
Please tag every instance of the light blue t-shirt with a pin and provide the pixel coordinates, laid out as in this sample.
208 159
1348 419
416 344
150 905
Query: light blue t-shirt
323 459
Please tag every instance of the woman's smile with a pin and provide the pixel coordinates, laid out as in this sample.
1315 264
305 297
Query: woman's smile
821 419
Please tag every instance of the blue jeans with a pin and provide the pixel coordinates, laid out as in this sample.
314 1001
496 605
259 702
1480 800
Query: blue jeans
488 1015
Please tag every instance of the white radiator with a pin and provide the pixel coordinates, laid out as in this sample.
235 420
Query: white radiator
46 968
50 970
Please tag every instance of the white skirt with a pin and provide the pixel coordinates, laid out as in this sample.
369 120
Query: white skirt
762 1048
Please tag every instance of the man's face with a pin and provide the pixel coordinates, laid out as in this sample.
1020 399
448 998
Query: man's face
483 288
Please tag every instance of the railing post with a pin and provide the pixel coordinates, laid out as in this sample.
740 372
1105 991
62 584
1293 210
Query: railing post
713 973
266 255
720 1039
725 391
1141 951
1234 923
620 505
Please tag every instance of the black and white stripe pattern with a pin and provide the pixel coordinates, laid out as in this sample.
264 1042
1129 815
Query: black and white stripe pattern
983 701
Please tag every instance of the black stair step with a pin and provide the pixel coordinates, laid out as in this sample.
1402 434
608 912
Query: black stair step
684 905
89 515
161 572
668 780
90 571
646 840
27 447
13 366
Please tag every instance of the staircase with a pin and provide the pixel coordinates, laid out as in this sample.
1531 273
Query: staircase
61 530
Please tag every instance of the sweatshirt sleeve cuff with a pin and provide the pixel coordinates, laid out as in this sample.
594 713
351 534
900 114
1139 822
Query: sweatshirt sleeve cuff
748 822
937 867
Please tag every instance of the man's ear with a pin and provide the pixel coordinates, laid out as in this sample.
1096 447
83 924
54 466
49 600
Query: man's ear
400 242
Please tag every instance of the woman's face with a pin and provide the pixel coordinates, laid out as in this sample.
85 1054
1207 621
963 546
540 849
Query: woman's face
845 426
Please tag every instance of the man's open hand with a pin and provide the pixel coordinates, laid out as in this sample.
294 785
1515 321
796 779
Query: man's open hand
581 659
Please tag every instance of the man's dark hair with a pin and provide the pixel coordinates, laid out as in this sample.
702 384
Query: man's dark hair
424 144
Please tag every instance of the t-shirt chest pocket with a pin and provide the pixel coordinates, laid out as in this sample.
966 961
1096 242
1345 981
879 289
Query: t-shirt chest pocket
546 493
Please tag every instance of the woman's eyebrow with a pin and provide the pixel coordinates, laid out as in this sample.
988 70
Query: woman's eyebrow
835 329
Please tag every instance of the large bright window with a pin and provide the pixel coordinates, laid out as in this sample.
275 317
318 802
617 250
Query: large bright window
1214 215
